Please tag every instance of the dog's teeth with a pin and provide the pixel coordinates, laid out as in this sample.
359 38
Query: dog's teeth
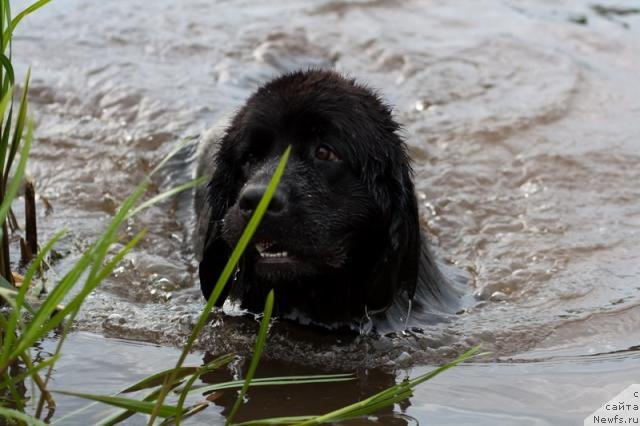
274 255
263 247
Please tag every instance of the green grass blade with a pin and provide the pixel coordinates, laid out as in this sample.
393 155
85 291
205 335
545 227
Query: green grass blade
22 417
190 411
144 407
173 152
167 194
19 126
114 419
13 293
3 6
4 141
12 190
110 266
33 331
6 98
110 235
42 253
118 417
13 393
20 299
62 419
5 18
257 354
6 64
123 415
473 352
213 365
277 421
44 319
6 36
8 292
158 378
183 396
276 381
25 374
230 266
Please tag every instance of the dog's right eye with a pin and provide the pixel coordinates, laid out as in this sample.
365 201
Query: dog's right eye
325 153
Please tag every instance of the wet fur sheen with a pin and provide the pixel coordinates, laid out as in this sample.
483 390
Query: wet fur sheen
352 226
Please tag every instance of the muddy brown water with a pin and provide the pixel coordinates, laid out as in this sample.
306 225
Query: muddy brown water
523 120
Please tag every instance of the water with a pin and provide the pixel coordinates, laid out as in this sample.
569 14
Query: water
522 120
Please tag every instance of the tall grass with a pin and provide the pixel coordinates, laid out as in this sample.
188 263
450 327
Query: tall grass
24 325
12 136
11 132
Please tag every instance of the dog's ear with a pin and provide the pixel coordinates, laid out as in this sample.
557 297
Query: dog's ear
397 266
222 191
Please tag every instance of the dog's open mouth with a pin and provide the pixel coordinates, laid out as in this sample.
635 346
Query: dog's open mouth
272 252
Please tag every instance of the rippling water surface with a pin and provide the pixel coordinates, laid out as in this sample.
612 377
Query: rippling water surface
522 118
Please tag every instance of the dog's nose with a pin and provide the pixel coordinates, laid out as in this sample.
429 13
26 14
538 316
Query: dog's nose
251 195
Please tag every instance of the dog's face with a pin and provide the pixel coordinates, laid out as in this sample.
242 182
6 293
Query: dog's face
320 209
341 227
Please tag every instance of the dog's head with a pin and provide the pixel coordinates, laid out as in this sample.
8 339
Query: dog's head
342 227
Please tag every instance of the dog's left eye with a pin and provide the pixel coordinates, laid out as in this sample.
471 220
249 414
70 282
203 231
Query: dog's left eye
326 153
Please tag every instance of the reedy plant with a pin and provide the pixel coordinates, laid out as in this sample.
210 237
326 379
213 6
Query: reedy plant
11 134
21 326
21 332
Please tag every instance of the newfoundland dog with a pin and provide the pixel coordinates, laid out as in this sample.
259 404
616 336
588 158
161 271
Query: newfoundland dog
341 241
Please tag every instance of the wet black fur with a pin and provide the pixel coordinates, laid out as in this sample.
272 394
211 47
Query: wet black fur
354 223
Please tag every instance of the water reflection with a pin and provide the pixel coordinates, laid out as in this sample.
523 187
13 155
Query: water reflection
309 399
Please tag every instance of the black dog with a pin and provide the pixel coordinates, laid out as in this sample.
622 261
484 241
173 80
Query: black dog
341 238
